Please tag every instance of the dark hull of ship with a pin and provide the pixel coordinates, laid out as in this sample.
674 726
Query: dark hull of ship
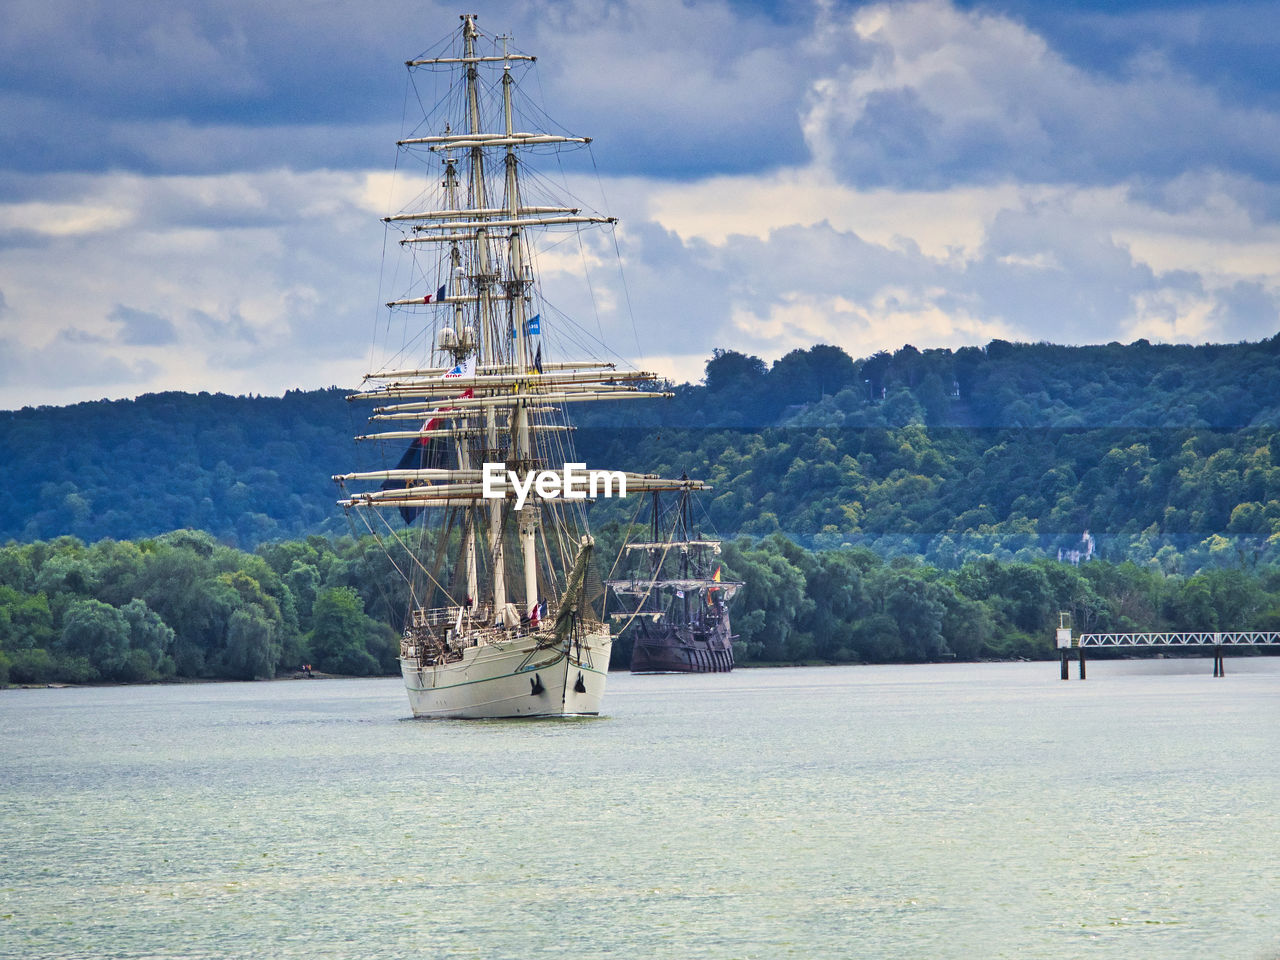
663 649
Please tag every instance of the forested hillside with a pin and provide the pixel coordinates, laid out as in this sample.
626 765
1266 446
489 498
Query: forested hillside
1181 498
1160 453
1000 385
246 469
904 507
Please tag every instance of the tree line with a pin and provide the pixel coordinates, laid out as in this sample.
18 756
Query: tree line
851 605
907 505
183 607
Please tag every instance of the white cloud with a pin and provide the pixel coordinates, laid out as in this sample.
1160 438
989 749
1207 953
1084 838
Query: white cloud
939 223
61 219
1171 316
1009 193
913 315
244 281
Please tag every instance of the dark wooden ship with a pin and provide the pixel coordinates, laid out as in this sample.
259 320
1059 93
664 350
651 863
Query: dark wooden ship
676 607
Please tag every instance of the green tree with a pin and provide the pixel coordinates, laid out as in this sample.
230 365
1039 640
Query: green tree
98 632
918 613
251 651
150 640
25 620
767 607
343 635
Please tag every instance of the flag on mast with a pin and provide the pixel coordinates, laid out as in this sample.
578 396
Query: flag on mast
424 453
467 368
429 298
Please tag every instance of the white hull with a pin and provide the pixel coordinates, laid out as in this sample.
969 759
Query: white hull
512 679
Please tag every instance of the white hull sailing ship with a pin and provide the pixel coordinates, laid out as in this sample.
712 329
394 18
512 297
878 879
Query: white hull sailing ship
484 515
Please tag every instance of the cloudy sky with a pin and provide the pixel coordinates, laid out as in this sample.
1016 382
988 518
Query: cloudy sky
190 193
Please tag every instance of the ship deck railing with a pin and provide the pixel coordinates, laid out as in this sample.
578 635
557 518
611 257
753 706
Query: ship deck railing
477 622
446 616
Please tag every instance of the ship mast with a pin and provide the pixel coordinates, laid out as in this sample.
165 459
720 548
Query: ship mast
492 400
460 340
529 513
484 290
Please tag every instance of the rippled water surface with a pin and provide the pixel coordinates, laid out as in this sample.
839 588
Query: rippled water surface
966 811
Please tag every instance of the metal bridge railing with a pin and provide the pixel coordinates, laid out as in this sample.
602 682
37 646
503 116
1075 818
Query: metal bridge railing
1217 639
1200 639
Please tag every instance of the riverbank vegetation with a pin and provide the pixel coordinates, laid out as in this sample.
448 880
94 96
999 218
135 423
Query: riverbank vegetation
182 606
914 505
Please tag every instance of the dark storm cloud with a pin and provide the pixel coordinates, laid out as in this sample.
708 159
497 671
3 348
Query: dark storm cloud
1230 46
954 97
666 87
215 173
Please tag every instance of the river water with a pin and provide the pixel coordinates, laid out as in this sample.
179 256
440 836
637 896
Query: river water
948 811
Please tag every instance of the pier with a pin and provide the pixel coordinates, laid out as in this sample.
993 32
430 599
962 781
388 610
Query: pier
1216 640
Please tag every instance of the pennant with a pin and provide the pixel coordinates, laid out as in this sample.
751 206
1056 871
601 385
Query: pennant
537 359
716 576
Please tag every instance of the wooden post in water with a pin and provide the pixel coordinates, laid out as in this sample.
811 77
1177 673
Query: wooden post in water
1063 639
1082 663
1219 664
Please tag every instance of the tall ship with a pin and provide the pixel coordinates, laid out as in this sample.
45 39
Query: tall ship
676 606
480 501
